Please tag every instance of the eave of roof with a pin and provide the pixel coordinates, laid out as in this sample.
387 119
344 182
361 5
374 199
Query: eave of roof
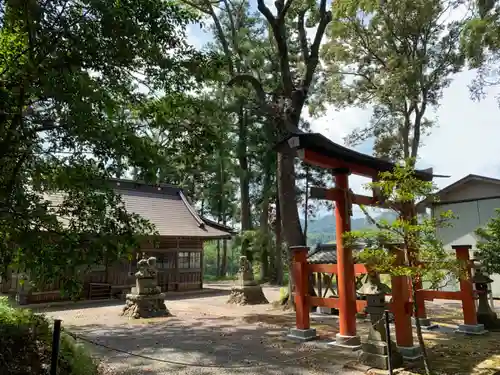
320 144
166 207
421 206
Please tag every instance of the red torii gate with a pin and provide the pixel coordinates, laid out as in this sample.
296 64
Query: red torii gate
316 149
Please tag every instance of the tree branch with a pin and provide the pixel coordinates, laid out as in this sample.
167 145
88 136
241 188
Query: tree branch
284 10
279 33
256 84
302 35
325 18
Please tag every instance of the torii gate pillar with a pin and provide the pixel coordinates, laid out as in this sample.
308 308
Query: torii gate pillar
346 282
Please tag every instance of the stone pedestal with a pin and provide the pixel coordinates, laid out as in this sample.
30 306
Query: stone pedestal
145 306
410 353
471 329
425 323
247 291
375 354
302 335
375 351
346 342
145 299
247 295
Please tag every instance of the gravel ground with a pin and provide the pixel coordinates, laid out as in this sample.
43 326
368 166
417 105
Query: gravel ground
214 337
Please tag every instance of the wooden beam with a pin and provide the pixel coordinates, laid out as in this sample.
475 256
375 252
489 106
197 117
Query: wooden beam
332 194
322 161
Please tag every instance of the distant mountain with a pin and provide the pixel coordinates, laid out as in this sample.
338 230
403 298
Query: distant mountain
322 230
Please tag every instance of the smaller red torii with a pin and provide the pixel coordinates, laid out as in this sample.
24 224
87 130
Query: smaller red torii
317 150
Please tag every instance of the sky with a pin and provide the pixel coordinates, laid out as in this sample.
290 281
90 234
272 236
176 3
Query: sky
465 140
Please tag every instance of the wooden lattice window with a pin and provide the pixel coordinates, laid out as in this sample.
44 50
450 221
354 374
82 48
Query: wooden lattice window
195 261
190 259
184 259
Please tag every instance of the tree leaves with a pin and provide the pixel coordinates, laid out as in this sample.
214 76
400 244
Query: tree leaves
488 244
396 56
70 114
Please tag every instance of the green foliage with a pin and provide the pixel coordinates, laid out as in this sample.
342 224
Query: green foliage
26 341
489 244
481 44
415 239
396 56
74 79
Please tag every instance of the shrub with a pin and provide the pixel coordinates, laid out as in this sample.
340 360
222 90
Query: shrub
26 342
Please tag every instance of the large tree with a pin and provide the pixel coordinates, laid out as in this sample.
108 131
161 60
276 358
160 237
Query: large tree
71 77
397 57
297 60
481 43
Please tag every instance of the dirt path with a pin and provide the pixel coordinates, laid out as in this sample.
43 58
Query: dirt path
206 332
217 338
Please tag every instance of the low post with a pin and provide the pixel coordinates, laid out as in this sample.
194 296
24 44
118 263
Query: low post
302 330
56 337
470 326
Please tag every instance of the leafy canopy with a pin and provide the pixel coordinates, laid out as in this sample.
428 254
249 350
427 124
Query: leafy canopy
73 77
397 57
489 244
413 239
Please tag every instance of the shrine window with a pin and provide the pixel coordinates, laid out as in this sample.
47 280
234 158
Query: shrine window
184 259
190 259
195 261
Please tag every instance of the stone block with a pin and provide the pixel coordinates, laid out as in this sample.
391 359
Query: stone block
425 323
324 310
247 295
348 342
380 361
145 306
302 334
471 329
410 353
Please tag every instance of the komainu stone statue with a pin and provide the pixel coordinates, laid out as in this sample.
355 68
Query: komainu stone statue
145 299
246 291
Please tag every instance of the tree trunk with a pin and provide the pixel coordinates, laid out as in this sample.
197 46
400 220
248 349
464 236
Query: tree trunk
264 215
217 271
288 200
418 327
223 263
246 220
278 249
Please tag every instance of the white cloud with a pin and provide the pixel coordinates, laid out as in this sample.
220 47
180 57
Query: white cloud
467 133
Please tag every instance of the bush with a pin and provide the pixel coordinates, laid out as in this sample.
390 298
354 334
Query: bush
26 342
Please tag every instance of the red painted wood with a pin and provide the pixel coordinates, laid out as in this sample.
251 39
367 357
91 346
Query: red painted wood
430 295
301 287
333 268
322 161
400 304
325 268
467 288
346 276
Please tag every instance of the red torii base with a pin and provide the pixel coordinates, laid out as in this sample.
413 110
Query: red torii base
315 149
467 295
401 305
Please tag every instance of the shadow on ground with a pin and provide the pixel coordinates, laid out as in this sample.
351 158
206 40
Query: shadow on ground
214 345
